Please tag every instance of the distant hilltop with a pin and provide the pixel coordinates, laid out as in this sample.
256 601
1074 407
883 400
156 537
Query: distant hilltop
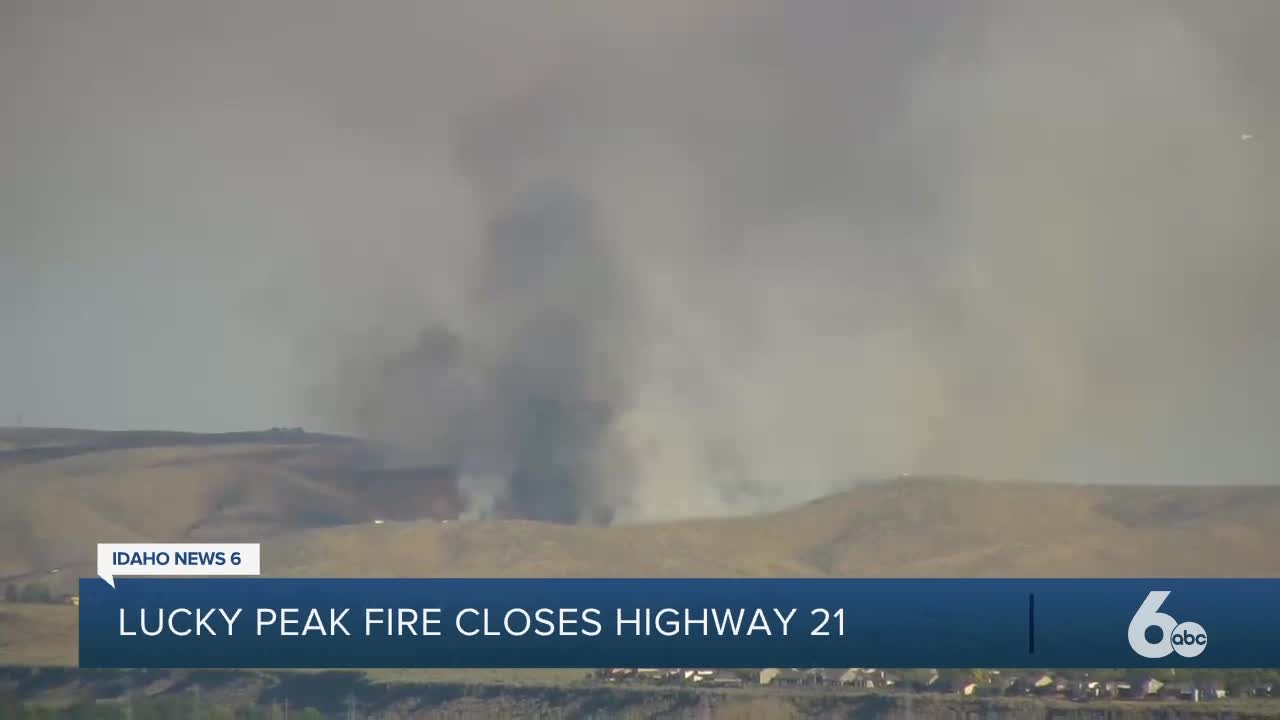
333 505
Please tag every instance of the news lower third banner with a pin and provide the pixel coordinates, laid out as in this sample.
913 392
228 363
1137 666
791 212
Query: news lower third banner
254 622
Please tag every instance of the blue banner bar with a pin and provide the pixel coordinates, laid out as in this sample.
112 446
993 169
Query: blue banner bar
595 623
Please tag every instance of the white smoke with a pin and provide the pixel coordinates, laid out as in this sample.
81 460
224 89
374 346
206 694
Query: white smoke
650 259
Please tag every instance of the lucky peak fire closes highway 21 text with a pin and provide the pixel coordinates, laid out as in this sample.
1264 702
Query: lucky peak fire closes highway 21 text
472 622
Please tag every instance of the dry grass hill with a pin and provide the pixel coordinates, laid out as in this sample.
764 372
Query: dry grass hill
902 528
311 499
64 491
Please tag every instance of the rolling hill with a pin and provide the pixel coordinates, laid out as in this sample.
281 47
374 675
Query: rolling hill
64 491
310 501
899 528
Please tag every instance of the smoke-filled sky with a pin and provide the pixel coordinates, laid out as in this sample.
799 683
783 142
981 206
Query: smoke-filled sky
656 258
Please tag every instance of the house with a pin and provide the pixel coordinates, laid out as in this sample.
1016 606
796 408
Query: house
652 674
1083 691
1147 687
814 676
827 676
1117 688
1046 685
1211 691
1019 685
889 680
71 600
857 678
698 675
959 685
991 689
927 683
1059 689
1042 681
820 676
866 678
781 676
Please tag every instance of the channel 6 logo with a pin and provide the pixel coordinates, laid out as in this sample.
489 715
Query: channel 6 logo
1188 639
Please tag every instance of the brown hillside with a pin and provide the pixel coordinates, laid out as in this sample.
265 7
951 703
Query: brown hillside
311 503
311 506
913 527
55 509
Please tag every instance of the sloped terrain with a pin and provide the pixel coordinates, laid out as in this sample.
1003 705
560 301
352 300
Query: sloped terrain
83 488
311 505
312 499
899 528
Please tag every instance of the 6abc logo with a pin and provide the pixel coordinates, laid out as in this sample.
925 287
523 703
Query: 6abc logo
1188 639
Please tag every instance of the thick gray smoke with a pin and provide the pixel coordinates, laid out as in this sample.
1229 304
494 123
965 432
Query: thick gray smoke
526 387
654 259
789 246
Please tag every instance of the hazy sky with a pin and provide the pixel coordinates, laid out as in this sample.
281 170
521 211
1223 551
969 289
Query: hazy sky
736 253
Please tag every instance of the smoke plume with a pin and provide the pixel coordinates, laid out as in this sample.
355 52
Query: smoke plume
634 261
747 257
525 387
